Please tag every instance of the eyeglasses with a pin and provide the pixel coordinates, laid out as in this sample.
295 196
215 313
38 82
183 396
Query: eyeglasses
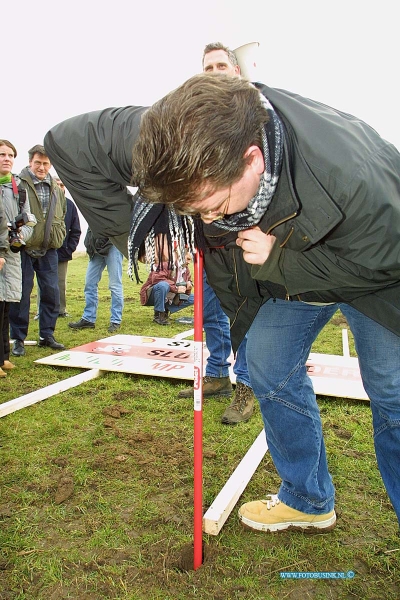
216 214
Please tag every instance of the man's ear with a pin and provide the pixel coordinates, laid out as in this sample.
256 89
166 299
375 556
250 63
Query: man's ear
255 158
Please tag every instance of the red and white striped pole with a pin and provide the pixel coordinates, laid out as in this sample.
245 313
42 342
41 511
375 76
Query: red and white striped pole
198 411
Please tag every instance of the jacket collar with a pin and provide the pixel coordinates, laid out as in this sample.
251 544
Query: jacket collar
319 214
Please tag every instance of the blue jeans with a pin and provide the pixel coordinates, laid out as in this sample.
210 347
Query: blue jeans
158 299
46 269
96 266
218 339
279 342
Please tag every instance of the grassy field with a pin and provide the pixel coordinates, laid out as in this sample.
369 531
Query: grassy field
96 486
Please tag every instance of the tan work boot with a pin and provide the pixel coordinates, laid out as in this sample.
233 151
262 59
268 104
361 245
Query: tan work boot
273 515
8 365
242 406
2 373
212 386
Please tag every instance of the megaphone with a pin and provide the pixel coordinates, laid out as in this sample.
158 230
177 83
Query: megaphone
247 56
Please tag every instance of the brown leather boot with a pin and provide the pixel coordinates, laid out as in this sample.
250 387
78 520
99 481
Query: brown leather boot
212 386
162 318
242 406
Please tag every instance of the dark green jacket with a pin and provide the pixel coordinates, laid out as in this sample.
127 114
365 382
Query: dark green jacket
336 217
92 153
335 213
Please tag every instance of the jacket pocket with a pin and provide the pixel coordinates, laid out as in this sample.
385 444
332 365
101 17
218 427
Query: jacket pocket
57 234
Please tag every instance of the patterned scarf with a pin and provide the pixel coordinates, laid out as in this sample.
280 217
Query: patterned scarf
272 139
185 234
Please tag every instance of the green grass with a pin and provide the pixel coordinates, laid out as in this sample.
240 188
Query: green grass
122 532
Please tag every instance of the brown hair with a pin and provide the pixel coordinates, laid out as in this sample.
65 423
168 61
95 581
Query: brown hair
195 136
37 149
9 145
219 46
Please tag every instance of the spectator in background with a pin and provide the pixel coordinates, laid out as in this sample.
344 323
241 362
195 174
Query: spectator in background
102 253
48 204
71 241
168 287
218 58
13 201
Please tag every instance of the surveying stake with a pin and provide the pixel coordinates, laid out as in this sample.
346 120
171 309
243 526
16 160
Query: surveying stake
198 411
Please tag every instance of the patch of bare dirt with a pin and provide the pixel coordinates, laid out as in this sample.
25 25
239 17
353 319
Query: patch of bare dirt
65 489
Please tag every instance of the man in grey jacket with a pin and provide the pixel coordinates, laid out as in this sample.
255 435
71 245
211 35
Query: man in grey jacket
293 227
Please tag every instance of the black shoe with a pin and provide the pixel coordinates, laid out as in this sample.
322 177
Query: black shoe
113 327
50 342
63 315
82 324
18 348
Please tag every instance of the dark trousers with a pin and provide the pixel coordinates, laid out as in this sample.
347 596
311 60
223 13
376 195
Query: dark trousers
46 269
5 337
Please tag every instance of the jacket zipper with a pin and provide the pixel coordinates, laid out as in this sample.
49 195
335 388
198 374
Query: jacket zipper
287 297
292 216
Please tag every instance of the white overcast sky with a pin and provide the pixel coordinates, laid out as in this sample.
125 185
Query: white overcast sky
60 59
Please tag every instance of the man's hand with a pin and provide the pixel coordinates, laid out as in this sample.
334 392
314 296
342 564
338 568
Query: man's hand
255 244
2 262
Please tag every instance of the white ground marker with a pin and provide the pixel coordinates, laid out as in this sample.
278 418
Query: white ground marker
224 503
51 390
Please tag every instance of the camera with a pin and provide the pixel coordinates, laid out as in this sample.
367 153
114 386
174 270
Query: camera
14 238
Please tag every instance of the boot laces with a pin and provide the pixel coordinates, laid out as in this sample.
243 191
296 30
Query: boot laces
271 501
242 396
